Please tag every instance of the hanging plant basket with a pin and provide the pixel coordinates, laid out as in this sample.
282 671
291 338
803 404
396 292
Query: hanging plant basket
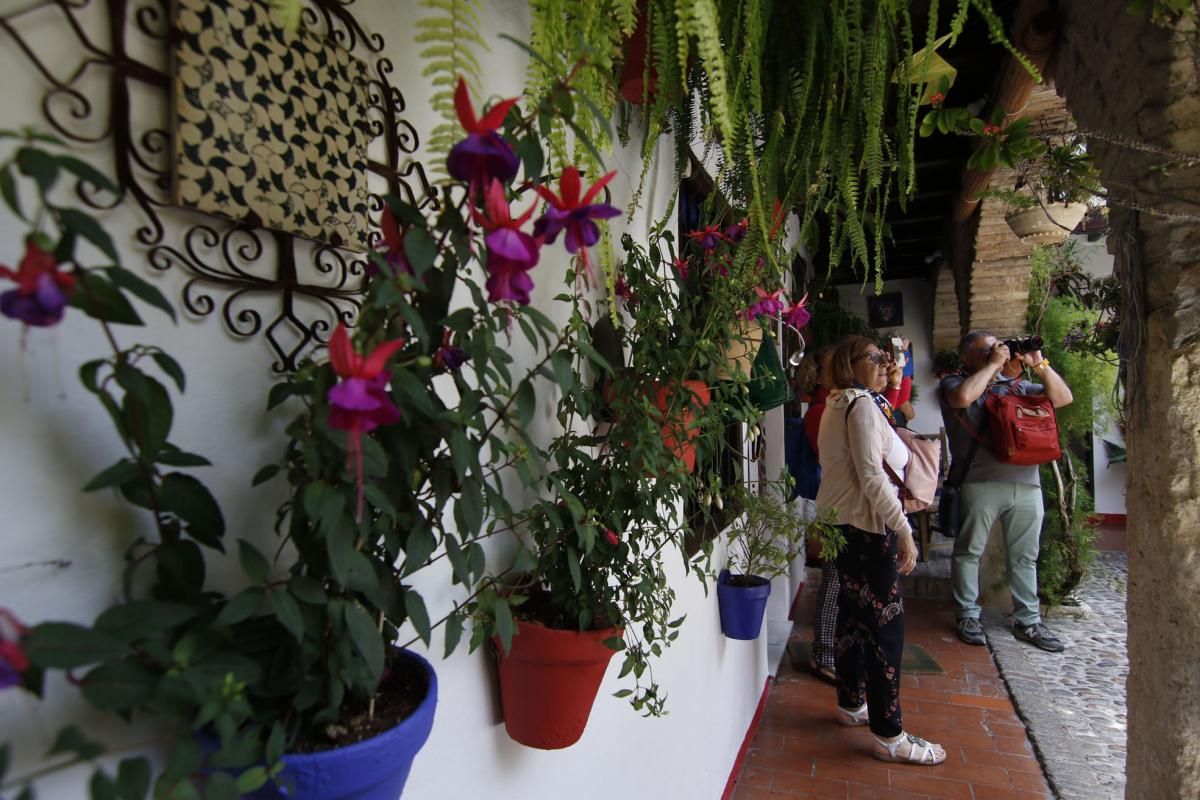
548 682
373 769
747 337
769 386
742 601
1049 225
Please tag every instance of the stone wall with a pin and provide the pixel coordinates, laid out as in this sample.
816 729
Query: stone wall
1124 76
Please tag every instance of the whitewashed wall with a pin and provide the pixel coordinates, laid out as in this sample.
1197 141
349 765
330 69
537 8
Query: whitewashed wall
56 437
917 297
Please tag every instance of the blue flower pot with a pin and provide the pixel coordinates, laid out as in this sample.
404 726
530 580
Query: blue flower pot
742 607
373 769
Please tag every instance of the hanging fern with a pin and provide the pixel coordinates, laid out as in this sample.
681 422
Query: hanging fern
448 36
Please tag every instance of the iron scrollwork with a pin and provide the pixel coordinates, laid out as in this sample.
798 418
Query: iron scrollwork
230 267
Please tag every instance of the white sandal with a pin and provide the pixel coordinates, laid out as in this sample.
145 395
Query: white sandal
919 751
853 716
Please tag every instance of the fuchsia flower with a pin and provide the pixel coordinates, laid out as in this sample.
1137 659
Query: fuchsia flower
484 155
681 266
393 246
611 536
767 305
797 315
42 291
708 238
449 357
359 403
622 290
736 232
511 253
13 661
575 214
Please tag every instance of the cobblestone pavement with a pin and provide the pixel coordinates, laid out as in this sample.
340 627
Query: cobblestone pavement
1074 702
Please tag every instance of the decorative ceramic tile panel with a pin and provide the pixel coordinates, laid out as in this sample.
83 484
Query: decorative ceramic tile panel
270 126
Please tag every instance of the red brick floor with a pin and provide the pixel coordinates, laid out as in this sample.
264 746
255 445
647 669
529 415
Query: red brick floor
799 750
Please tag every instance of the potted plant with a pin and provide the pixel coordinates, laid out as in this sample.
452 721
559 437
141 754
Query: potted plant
1062 181
762 543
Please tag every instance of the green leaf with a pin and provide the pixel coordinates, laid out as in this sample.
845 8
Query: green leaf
146 408
70 740
505 628
368 641
469 508
170 368
222 786
265 474
189 499
139 619
417 614
39 165
65 645
529 149
454 630
526 404
564 374
180 568
254 563
179 458
350 568
99 299
420 249
461 452
185 758
240 607
101 787
119 685
288 611
573 566
255 777
8 190
418 547
89 228
307 590
133 779
121 472
324 505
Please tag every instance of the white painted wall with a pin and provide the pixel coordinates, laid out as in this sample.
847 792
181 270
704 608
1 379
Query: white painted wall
1109 478
56 438
918 327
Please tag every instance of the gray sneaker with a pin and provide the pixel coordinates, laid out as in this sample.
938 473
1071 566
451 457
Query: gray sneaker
1038 635
971 631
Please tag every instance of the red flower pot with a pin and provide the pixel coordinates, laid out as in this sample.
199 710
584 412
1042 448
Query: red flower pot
680 432
548 682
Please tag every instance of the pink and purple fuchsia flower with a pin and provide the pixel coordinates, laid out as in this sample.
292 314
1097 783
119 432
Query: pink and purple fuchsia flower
360 403
708 238
42 291
767 305
484 155
13 661
449 357
511 253
798 315
574 214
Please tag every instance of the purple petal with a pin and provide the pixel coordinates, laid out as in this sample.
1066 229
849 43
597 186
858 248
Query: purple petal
49 294
513 246
482 157
602 211
353 394
28 309
508 282
548 225
582 232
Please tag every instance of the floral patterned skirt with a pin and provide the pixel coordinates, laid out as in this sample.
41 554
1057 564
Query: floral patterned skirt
870 631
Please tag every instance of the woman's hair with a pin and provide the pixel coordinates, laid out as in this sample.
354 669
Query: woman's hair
848 351
809 371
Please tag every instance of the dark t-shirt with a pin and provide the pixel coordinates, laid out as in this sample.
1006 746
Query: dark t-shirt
984 467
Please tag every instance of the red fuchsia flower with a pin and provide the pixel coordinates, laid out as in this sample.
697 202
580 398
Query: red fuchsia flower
937 99
611 536
708 238
13 661
42 291
484 155
767 305
681 266
621 289
736 232
359 403
449 357
393 246
797 315
574 214
511 253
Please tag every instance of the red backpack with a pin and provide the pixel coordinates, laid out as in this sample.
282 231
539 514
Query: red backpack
1023 427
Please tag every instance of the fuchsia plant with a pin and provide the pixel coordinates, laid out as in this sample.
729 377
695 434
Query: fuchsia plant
13 661
42 290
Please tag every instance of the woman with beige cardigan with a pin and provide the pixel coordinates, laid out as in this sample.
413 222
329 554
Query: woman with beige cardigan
856 437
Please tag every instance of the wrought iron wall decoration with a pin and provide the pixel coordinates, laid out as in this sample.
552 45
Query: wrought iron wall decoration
239 268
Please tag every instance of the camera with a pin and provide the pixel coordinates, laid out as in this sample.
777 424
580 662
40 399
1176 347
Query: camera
1028 344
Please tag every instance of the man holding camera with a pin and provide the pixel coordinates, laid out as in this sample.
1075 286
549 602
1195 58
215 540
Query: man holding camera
994 490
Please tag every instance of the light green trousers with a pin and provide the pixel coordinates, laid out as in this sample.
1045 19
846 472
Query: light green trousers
1018 506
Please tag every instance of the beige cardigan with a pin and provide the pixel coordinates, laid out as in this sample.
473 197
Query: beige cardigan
852 476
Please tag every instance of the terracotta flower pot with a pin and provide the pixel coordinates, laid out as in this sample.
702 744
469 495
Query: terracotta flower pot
681 431
548 682
1050 225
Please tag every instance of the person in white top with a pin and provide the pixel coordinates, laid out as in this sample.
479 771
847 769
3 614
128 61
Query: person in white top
856 437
